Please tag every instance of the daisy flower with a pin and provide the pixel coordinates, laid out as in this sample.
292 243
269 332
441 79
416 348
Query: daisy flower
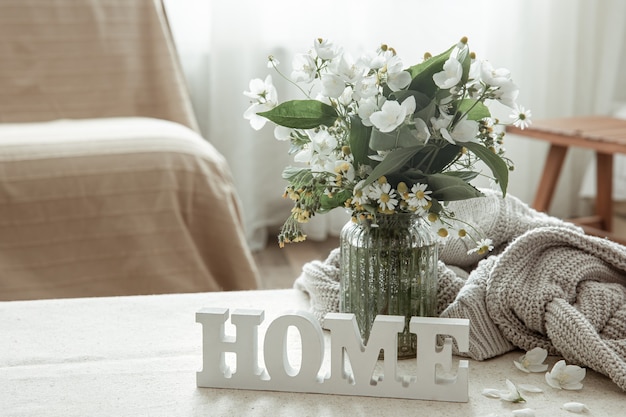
521 117
482 246
419 197
385 196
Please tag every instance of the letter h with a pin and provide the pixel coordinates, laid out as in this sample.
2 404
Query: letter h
215 344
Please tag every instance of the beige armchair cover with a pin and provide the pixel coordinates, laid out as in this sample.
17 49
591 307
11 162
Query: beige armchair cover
106 188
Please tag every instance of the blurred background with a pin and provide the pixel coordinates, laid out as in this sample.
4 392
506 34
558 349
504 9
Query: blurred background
566 56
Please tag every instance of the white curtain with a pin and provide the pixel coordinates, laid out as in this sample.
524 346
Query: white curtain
563 54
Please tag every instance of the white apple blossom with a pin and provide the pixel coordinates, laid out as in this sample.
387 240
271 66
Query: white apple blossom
507 94
397 77
392 114
441 122
349 70
366 87
507 91
257 122
282 133
451 74
421 130
532 361
319 153
367 107
563 376
463 131
372 60
492 76
262 91
332 85
345 98
325 49
304 68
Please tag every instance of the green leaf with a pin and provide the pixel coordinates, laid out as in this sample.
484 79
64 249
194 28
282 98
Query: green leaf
359 141
400 138
493 161
422 73
294 174
302 114
392 162
427 112
337 200
451 188
475 109
466 61
421 100
466 176
432 158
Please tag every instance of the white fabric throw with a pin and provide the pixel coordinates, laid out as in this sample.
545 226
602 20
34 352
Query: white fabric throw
545 284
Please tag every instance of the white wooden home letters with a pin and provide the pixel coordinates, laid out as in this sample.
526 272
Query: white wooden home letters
345 367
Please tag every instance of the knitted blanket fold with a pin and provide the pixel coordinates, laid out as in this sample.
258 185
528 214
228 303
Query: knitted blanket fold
545 284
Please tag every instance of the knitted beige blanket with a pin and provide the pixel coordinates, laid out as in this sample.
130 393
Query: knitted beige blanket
545 284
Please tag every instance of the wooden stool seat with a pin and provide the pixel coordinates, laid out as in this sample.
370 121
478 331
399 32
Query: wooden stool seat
604 135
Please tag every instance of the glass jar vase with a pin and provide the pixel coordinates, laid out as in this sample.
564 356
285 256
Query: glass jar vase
389 268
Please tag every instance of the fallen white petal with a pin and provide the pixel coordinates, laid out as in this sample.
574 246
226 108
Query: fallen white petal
574 407
529 388
524 412
521 367
492 393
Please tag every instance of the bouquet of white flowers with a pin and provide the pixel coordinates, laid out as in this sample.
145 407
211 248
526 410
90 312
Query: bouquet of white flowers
375 137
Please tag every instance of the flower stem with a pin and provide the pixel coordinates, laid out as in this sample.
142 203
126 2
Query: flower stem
289 80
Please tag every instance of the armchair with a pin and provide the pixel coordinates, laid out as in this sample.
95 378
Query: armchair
106 186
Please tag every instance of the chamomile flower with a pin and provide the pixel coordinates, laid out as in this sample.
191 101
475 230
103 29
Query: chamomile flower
384 195
521 117
419 196
482 247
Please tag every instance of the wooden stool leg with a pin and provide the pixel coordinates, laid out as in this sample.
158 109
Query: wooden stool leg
604 189
549 177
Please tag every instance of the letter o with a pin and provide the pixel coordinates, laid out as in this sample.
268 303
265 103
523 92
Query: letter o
275 348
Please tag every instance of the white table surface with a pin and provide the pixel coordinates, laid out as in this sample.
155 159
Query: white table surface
138 356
